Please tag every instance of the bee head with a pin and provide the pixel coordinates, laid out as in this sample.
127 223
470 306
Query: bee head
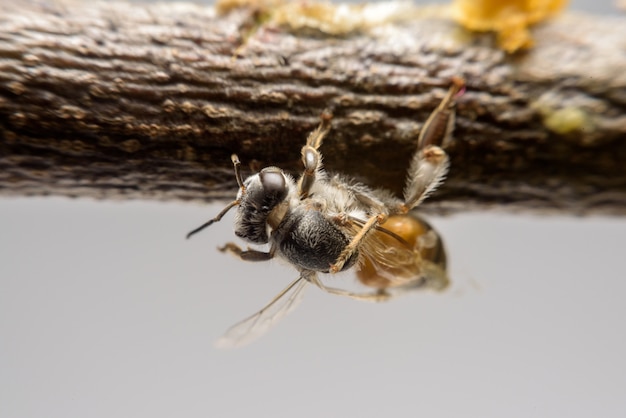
260 194
256 199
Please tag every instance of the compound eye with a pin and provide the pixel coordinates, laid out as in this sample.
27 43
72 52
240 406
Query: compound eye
273 182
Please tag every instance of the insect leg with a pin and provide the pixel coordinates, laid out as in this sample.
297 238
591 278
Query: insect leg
378 296
347 252
311 158
438 128
249 254
426 173
430 162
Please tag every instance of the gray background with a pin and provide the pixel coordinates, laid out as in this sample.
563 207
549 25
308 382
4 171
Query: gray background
106 311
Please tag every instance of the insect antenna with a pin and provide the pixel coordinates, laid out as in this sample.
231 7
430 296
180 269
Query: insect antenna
216 219
237 166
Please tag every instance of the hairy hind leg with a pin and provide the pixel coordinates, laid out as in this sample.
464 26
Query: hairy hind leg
430 162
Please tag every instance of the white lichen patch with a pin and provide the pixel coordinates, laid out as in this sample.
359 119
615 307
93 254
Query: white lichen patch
337 19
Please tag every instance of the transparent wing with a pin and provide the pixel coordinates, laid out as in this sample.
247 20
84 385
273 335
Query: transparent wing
404 251
432 277
388 255
255 326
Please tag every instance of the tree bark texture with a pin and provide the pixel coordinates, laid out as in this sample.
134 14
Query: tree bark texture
149 101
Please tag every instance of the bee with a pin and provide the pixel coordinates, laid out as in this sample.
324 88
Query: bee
322 223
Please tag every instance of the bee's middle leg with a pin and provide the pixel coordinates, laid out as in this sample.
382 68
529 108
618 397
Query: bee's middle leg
347 252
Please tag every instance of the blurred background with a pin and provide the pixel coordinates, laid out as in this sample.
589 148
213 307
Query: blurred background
107 311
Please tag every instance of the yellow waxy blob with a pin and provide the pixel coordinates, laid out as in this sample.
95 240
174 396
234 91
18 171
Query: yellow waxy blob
509 18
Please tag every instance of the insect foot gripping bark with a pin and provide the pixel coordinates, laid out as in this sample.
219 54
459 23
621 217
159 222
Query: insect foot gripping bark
323 223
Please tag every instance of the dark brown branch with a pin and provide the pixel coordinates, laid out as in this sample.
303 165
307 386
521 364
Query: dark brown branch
147 101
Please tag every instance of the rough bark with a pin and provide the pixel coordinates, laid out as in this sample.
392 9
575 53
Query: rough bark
147 101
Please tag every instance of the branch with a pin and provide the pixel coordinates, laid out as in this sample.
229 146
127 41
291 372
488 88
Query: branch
147 101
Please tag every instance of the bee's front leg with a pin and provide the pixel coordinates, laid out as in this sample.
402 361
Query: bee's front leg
311 157
249 254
